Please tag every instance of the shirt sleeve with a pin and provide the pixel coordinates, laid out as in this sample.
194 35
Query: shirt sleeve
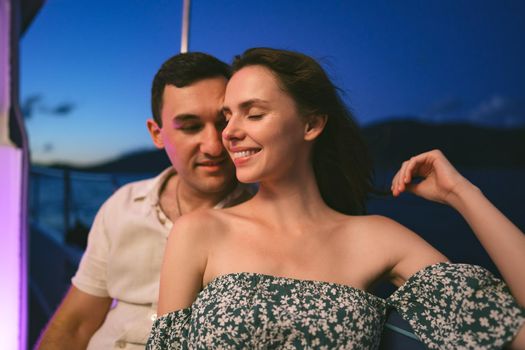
170 331
91 276
459 306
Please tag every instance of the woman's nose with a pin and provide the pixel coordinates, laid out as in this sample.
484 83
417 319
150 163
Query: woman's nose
232 130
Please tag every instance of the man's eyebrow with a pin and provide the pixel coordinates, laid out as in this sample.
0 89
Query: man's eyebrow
185 117
246 104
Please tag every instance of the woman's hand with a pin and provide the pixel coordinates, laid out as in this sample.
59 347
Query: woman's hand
440 180
503 241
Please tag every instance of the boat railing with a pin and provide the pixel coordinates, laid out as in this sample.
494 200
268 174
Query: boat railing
63 198
62 206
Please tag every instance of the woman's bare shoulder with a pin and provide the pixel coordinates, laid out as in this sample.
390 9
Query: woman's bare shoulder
387 235
200 221
380 226
407 251
205 224
375 226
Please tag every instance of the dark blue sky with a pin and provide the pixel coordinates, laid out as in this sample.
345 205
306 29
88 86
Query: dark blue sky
88 64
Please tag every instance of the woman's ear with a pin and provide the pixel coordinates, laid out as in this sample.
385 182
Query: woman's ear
154 132
314 126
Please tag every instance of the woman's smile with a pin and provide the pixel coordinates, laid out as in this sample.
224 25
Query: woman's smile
242 155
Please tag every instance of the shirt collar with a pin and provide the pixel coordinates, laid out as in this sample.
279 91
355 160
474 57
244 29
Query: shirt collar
150 192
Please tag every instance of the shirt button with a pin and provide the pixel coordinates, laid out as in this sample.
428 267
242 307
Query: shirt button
121 344
153 317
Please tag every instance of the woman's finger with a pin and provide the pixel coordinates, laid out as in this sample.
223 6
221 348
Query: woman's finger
407 176
395 182
415 166
400 179
393 186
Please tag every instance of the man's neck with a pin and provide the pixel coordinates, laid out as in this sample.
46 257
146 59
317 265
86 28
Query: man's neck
176 198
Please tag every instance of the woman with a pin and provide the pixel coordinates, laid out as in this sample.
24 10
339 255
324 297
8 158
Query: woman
291 267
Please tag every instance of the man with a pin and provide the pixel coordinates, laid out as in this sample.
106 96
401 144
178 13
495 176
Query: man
112 301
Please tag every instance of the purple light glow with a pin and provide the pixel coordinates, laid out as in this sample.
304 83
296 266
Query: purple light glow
10 231
12 225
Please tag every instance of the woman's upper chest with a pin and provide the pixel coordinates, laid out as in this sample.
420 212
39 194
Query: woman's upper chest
331 253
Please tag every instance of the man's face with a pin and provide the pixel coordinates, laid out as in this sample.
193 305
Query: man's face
191 134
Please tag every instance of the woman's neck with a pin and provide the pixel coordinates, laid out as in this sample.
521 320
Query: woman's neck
290 200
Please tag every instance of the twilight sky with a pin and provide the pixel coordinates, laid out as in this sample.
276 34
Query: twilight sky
87 65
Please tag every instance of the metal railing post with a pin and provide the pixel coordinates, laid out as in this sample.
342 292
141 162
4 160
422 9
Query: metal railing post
67 199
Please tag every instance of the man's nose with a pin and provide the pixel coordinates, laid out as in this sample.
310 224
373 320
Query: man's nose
211 143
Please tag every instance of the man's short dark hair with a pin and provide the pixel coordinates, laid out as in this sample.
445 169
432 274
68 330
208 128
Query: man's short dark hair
182 70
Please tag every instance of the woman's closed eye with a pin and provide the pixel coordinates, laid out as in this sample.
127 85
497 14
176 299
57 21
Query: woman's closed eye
226 116
255 116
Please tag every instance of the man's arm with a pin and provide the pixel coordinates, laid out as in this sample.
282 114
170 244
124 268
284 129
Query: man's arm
76 320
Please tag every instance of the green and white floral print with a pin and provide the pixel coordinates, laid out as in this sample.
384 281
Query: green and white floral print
449 306
458 306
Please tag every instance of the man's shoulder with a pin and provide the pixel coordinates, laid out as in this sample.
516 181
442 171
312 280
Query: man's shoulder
127 193
139 189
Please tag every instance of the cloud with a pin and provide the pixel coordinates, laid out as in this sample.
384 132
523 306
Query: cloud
35 104
29 105
495 111
498 111
62 109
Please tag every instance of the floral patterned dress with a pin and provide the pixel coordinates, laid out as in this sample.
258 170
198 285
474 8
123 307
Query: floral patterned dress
449 306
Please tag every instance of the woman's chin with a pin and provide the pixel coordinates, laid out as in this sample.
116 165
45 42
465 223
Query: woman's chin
246 178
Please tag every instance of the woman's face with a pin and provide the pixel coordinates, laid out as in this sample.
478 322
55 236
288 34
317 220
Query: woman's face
265 134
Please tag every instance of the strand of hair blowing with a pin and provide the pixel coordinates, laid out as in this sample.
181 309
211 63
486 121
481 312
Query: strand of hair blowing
340 159
342 165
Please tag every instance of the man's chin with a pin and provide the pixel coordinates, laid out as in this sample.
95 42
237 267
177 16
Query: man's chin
217 184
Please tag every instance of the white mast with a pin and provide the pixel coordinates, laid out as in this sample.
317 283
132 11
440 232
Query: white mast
184 40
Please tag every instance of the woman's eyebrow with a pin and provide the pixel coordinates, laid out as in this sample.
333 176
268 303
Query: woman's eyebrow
250 103
246 105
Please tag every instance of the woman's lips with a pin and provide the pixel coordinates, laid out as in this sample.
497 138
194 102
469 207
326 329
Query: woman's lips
241 156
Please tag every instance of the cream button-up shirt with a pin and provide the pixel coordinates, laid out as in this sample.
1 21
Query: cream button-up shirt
123 260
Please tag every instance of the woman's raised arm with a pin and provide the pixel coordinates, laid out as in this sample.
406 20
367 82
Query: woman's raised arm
441 182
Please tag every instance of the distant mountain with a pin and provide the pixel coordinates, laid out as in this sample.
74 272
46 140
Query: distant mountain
464 144
148 160
390 143
141 161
